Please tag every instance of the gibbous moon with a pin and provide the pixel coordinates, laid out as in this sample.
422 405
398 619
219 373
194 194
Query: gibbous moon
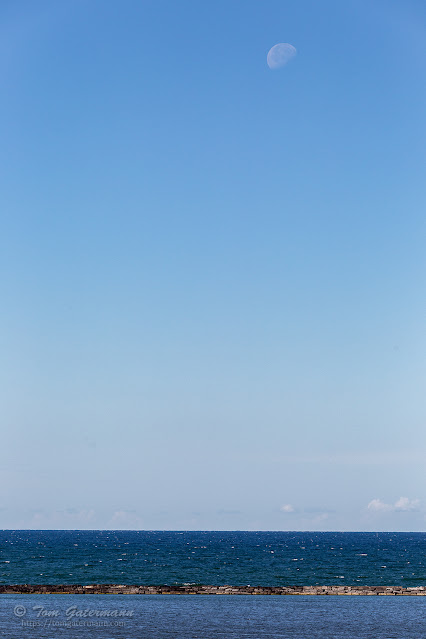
280 54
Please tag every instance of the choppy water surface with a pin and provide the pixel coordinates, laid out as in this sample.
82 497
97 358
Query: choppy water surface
217 558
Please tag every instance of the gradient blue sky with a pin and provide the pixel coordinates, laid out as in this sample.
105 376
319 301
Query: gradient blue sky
213 274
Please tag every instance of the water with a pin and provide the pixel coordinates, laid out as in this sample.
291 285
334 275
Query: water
217 558
204 617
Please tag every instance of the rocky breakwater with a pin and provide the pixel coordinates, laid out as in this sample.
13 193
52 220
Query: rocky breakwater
194 589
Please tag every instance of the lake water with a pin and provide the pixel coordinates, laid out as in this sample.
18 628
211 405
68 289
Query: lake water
217 558
211 617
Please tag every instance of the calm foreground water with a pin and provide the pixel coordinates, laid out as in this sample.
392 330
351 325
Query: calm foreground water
217 558
209 617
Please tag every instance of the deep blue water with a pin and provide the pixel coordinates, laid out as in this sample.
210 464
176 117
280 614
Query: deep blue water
221 617
217 558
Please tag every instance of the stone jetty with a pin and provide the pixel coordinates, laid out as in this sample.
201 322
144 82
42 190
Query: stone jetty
194 589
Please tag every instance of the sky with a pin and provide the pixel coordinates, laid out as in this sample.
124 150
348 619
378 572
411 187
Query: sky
213 272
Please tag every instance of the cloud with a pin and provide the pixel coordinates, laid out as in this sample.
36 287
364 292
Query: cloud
406 504
320 518
403 504
316 509
376 505
125 520
287 508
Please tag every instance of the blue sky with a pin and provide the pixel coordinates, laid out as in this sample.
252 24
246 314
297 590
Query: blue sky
213 273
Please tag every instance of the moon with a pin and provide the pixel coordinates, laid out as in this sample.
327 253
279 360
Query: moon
280 54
